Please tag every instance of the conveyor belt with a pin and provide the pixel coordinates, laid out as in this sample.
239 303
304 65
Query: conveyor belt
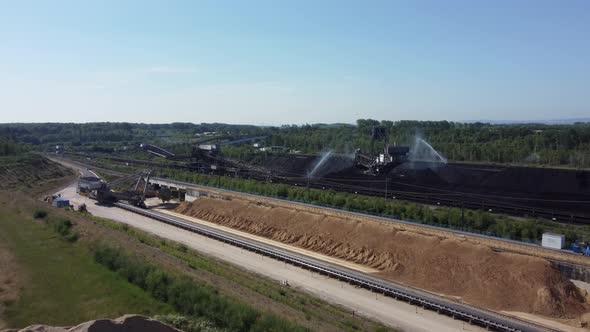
468 313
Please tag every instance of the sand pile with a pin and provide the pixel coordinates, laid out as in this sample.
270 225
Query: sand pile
127 323
475 273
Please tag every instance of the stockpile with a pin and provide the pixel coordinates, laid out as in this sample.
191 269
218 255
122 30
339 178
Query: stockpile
474 273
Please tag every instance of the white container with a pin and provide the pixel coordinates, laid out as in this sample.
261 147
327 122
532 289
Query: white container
191 195
554 241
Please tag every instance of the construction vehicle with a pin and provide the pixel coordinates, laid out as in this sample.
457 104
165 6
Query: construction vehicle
577 249
108 193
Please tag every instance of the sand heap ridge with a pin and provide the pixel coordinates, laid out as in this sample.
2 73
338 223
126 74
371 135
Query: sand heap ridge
473 272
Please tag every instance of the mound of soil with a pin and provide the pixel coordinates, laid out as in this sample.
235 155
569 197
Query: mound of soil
475 273
28 171
127 323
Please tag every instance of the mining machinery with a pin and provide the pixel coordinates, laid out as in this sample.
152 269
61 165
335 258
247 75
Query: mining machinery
382 163
110 193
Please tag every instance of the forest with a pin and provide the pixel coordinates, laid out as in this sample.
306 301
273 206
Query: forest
555 145
9 148
529 144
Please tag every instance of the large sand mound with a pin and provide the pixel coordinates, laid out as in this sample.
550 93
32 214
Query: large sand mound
475 273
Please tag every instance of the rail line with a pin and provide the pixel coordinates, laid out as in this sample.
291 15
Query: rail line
468 313
365 215
509 205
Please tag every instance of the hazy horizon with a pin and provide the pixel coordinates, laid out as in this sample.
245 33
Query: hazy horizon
301 62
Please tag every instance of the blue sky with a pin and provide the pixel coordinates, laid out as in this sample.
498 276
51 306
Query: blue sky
277 62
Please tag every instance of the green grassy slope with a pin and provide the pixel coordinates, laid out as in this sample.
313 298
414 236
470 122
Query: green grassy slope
65 286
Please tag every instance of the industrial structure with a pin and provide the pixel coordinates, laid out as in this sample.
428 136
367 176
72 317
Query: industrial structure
382 163
135 195
395 172
89 183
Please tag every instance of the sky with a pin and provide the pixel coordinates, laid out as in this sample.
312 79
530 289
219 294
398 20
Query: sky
293 62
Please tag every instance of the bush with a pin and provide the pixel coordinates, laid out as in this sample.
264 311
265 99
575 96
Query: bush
71 237
182 248
475 221
63 227
190 298
39 214
188 324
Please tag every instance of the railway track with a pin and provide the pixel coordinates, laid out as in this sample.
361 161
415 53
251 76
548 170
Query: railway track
508 244
468 313
509 206
497 243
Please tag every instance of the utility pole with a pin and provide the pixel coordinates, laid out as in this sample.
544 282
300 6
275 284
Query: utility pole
386 181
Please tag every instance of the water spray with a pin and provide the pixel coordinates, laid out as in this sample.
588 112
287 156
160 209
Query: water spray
423 151
322 161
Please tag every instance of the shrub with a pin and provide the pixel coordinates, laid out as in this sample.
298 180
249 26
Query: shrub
39 214
63 227
476 221
82 208
190 298
188 324
71 237
182 248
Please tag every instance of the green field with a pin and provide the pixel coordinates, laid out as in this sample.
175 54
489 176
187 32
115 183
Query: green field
63 283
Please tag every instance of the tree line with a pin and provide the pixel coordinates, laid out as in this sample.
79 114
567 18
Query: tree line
475 221
113 133
554 145
532 144
9 148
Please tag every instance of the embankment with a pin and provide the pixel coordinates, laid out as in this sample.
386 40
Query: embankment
471 272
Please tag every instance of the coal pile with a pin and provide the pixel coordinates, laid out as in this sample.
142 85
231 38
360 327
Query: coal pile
534 192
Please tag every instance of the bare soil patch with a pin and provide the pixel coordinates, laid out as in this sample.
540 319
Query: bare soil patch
474 273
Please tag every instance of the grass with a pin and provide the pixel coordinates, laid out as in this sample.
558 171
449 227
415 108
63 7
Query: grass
309 305
63 283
